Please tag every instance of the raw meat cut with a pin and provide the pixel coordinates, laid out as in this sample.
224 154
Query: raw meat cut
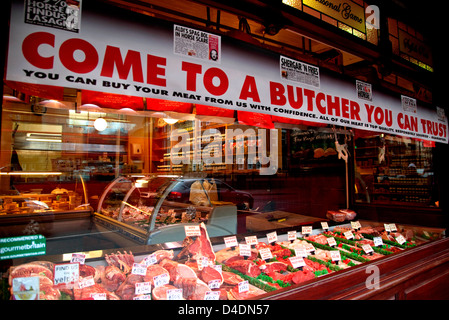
112 278
197 247
209 274
231 278
349 214
29 270
87 292
123 261
160 293
247 267
336 216
127 289
153 271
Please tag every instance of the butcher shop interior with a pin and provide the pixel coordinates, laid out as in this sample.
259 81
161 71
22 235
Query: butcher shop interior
210 193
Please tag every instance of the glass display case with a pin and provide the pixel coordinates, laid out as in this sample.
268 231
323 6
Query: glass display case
156 208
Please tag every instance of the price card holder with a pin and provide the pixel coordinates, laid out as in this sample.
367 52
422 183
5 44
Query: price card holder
291 236
348 235
297 262
265 253
387 228
356 225
400 239
245 250
393 227
161 279
272 237
301 253
331 241
251 240
324 226
378 241
231 242
335 256
305 230
368 249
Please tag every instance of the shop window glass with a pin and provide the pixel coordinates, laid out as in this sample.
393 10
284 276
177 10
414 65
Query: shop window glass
394 170
58 164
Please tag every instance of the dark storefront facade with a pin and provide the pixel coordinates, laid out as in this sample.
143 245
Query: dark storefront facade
129 128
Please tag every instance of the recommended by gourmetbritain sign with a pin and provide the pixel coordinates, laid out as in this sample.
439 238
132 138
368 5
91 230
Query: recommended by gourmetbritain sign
23 246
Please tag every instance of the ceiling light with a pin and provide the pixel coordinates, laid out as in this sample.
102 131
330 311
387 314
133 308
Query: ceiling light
170 120
100 124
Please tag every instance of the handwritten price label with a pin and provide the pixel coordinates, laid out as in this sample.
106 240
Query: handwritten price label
331 241
291 235
243 286
78 257
142 288
265 253
324 226
297 262
231 241
161 279
192 231
306 230
139 269
245 250
251 240
272 237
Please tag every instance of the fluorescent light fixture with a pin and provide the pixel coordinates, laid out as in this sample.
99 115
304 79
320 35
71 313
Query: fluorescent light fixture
44 137
170 120
30 173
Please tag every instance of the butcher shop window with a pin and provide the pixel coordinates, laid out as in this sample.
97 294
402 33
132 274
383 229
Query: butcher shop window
59 157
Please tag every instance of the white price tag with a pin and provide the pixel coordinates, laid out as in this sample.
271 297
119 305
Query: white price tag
291 235
387 227
217 267
231 241
367 248
400 239
324 225
265 253
149 260
139 269
393 227
98 296
335 255
251 240
143 297
355 225
174 294
161 279
212 295
86 282
245 250
309 247
142 288
214 284
78 257
297 262
192 231
306 230
243 286
348 235
272 237
378 241
301 253
203 262
331 241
